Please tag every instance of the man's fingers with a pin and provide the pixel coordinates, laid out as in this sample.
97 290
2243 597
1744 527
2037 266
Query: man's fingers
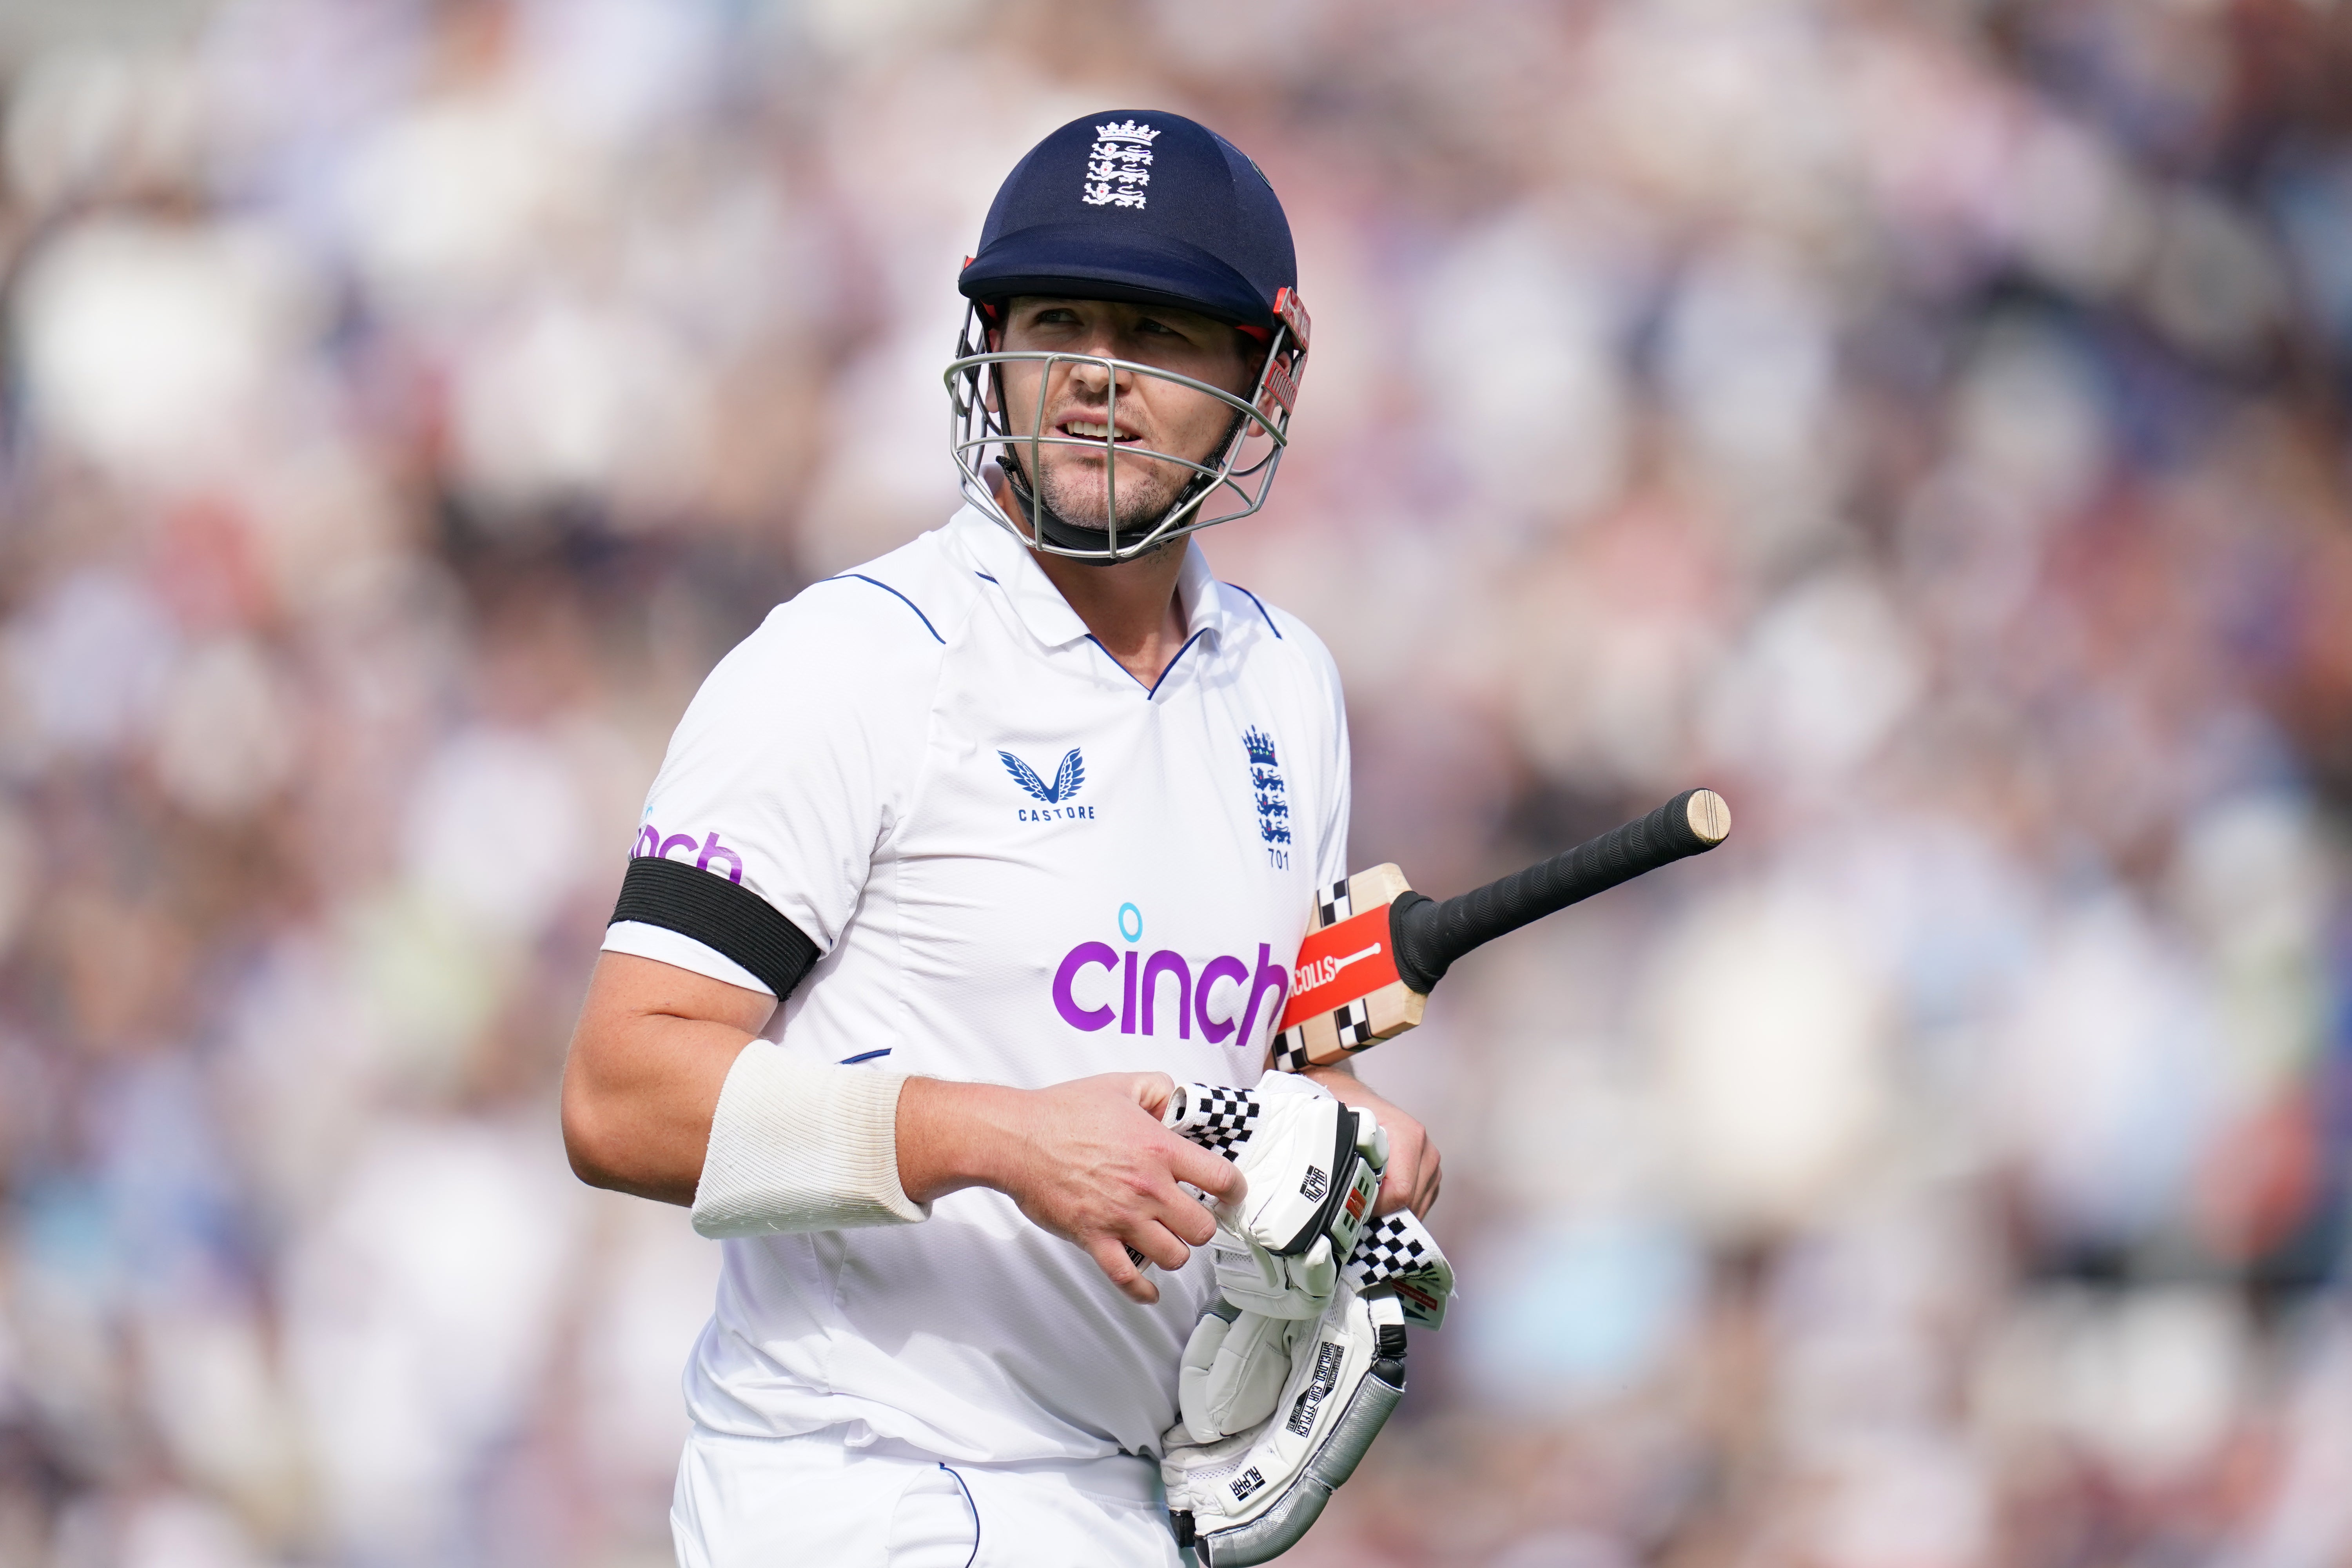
1403 1188
1430 1174
1153 1090
1192 1222
1411 1180
1213 1174
1155 1241
1110 1256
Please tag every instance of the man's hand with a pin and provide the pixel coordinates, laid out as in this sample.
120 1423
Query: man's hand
1088 1159
1412 1178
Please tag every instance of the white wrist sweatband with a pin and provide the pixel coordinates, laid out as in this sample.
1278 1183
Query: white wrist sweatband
800 1146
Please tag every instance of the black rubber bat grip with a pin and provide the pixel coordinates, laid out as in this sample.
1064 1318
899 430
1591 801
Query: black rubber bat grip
1428 936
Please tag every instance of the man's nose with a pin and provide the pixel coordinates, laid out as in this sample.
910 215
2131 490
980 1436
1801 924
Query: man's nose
1089 377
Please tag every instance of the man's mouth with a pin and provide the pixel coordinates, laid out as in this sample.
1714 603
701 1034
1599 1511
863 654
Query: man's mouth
1095 430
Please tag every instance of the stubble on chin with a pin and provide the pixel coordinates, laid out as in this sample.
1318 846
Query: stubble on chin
1078 497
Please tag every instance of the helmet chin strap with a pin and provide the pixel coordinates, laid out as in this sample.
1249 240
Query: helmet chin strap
1052 526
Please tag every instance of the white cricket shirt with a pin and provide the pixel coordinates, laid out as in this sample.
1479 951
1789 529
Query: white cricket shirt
1021 866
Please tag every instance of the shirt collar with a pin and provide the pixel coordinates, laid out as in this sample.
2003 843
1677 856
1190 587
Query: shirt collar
1208 605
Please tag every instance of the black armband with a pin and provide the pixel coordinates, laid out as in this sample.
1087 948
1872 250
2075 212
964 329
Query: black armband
722 915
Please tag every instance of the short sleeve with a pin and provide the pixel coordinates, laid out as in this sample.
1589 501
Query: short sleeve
787 773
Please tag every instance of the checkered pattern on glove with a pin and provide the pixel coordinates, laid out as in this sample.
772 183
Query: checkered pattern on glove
1399 1251
1218 1119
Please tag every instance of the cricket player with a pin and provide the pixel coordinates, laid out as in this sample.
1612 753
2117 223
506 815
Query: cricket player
955 869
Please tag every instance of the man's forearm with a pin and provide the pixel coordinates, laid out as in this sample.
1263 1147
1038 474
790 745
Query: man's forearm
638 1102
956 1135
653 1048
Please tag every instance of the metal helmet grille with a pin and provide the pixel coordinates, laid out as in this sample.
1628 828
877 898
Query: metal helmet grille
1232 483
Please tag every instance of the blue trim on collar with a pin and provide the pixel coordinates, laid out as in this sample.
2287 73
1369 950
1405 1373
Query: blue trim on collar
1172 663
902 598
1153 690
864 1057
1253 599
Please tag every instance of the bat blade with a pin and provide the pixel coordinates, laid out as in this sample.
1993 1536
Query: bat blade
1375 949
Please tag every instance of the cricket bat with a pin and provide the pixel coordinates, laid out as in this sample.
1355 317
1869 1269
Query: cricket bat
1375 949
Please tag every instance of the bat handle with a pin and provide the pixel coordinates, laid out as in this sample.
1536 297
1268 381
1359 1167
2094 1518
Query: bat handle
1428 936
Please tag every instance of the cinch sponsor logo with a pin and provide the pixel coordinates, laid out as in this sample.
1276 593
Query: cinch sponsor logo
650 841
1145 982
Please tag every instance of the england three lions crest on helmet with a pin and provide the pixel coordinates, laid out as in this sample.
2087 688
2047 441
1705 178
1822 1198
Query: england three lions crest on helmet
1118 166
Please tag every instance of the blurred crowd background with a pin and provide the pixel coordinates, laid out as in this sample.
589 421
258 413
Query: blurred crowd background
1922 420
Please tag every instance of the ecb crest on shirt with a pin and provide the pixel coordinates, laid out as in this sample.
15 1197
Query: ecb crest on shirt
1273 806
1068 779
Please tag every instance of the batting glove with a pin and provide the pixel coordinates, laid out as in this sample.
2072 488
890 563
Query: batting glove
1235 1362
1250 1497
1313 1167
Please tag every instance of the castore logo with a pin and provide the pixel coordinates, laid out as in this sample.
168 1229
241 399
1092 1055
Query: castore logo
1068 779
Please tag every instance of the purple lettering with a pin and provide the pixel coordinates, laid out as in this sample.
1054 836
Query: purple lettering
713 850
1167 963
648 841
1216 969
1127 1014
1271 977
1076 1016
673 841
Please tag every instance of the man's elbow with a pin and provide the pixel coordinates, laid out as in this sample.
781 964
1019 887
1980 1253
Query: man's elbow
588 1142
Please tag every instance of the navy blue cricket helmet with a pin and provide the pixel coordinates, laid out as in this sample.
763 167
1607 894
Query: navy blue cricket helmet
1141 205
1148 207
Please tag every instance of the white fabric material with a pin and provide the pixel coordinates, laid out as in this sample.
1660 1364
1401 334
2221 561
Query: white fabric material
798 1145
848 761
779 1502
666 946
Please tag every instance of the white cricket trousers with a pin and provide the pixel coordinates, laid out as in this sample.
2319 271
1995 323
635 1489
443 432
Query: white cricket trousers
783 1502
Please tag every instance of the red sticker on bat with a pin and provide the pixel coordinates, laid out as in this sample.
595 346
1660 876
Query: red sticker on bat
1338 964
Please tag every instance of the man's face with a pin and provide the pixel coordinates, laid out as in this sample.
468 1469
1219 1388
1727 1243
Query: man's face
1153 414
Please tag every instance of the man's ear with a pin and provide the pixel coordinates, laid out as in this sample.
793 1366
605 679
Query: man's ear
1256 343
